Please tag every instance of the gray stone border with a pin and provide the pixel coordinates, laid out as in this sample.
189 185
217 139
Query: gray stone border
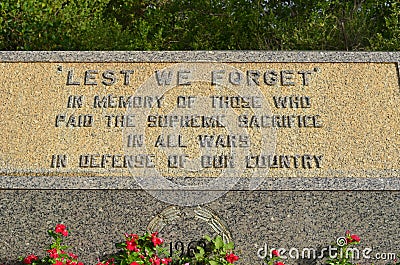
199 56
270 184
385 181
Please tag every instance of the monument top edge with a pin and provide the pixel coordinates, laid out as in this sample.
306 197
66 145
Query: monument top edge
199 56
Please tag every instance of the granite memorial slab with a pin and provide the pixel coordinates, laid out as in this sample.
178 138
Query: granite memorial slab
277 149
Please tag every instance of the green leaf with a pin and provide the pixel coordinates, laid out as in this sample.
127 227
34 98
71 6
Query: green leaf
212 262
229 246
200 254
201 250
120 245
219 243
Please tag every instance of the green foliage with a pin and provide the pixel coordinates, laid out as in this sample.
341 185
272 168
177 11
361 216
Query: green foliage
199 25
56 253
214 252
139 250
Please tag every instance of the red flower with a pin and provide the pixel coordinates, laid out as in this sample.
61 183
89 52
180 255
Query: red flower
53 253
275 253
131 236
58 263
279 263
155 260
134 263
156 240
61 229
231 258
355 238
131 245
70 262
166 260
29 259
72 256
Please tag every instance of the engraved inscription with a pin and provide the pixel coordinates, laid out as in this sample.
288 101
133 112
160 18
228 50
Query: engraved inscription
93 77
133 119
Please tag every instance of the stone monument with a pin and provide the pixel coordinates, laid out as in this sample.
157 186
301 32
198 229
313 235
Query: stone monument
268 149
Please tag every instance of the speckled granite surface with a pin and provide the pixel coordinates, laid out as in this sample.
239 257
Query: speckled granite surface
288 212
355 96
200 56
370 182
288 219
